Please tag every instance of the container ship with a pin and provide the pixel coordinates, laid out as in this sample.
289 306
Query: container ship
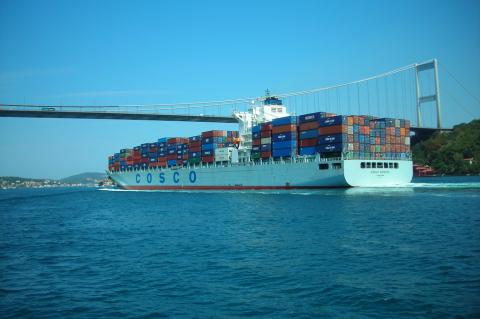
273 150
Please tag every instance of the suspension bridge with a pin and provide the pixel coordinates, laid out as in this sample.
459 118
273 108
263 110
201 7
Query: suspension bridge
411 92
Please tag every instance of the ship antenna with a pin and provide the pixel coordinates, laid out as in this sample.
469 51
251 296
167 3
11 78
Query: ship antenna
267 93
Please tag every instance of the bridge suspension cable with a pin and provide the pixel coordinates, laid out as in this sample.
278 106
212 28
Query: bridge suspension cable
404 92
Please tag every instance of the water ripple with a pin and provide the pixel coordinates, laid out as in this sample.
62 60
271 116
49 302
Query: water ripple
409 252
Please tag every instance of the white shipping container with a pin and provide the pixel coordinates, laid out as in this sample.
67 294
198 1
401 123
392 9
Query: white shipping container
266 140
226 154
407 140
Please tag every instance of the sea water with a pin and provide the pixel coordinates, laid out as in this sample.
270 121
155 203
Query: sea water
335 253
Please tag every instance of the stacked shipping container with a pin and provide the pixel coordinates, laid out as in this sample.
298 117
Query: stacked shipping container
356 137
284 137
168 152
308 132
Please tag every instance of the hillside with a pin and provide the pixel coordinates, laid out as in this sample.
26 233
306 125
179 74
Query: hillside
84 178
452 153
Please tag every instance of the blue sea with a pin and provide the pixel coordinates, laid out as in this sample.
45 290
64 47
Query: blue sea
410 252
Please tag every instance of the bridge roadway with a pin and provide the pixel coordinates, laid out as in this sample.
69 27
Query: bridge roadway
52 112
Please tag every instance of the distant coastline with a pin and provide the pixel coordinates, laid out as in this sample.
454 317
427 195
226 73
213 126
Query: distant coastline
79 180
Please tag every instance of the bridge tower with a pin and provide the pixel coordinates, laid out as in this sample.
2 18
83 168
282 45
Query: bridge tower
435 97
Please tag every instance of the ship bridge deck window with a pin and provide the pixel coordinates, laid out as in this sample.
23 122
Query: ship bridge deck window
378 165
323 166
337 165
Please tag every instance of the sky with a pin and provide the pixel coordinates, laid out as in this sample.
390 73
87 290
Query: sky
147 52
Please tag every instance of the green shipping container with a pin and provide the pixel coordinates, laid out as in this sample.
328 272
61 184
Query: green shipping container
192 161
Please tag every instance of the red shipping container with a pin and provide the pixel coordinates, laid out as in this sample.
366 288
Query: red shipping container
284 128
171 157
177 140
195 144
266 154
308 126
195 149
162 163
144 160
265 134
256 141
208 159
266 127
309 142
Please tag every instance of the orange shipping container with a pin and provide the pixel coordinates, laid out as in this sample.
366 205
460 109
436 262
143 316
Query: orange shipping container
284 129
308 126
334 129
214 133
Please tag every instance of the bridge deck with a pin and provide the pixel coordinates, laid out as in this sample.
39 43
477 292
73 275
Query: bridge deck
115 115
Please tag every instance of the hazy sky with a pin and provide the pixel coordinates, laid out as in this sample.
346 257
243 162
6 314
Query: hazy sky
140 52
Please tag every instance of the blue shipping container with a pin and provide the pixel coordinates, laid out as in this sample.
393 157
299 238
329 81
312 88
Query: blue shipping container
256 148
311 117
194 155
256 135
308 150
333 120
280 137
308 134
284 121
266 147
285 144
163 140
333 138
214 140
256 129
208 153
284 152
172 162
195 138
330 148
